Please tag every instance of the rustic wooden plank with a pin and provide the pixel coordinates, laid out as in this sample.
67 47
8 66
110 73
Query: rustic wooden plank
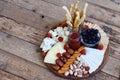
23 31
31 71
112 68
103 3
23 68
7 76
25 16
104 76
107 4
20 48
28 51
41 7
115 50
57 12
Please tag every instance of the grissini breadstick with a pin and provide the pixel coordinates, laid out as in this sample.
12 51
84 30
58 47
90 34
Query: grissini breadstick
74 16
76 4
67 11
76 19
71 8
69 23
83 14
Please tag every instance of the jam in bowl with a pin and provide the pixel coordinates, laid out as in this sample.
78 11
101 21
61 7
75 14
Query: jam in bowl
74 40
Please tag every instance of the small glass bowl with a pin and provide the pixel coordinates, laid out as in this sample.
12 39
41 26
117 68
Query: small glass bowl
90 44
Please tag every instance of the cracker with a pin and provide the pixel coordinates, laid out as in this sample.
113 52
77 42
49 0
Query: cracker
71 59
65 68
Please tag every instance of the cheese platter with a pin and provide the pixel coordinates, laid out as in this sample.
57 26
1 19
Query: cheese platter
75 48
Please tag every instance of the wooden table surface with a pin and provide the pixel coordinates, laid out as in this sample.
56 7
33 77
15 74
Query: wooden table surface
23 24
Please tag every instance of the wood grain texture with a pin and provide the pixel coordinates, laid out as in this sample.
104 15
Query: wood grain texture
23 31
31 71
20 48
103 3
110 4
57 12
112 62
24 16
7 76
24 68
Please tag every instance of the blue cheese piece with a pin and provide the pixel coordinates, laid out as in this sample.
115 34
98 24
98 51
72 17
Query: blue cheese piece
47 44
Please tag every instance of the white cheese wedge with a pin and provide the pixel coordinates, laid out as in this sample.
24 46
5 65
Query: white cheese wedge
51 55
93 58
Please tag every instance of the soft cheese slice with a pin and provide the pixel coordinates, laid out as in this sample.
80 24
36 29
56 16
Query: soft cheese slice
93 58
51 55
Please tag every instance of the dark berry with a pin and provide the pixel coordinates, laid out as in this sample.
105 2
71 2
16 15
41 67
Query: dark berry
60 39
66 47
83 52
86 27
44 54
100 47
49 35
87 68
58 55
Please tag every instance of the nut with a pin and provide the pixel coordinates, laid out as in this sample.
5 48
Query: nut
75 74
76 62
66 73
79 75
74 66
85 72
80 72
79 64
71 72
78 58
71 67
77 69
83 69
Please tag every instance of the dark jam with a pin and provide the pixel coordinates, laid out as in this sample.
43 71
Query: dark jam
74 40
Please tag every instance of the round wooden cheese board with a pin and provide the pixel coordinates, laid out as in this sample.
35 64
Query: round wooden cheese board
106 55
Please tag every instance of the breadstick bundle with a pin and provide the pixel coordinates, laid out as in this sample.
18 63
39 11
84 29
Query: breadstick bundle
75 16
